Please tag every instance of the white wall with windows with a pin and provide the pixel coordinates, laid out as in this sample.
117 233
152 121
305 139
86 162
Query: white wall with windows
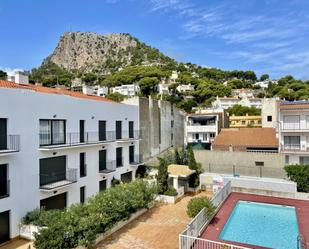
49 126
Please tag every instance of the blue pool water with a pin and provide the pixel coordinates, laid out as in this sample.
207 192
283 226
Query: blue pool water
261 224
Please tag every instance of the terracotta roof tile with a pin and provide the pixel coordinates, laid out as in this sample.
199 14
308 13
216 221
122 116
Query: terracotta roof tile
249 137
42 89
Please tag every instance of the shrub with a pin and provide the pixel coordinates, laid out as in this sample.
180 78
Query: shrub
80 224
300 175
115 182
195 205
171 191
41 217
162 178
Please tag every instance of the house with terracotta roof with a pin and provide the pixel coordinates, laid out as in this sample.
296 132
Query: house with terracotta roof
59 147
247 140
294 131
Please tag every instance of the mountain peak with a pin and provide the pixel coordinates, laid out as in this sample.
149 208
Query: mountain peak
92 52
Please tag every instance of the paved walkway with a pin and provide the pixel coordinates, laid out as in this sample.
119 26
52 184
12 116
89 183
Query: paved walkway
18 244
157 229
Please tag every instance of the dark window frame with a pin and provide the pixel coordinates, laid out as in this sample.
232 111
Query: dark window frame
51 131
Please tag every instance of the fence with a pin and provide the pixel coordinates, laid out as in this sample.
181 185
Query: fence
188 242
9 143
188 238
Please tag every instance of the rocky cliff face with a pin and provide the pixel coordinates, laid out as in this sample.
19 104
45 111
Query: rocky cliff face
91 52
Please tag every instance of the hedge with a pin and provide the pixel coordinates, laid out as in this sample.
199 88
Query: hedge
80 224
300 175
196 204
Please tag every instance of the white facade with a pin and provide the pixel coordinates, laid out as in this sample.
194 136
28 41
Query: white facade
23 111
19 77
97 90
201 128
294 132
127 90
270 113
227 102
163 88
185 88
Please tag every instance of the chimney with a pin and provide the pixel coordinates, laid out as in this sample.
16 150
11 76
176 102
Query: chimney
21 77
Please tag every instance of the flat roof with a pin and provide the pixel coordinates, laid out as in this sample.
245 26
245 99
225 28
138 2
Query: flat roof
176 170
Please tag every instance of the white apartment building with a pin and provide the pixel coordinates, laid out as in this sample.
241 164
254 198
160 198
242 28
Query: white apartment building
127 90
19 77
294 131
227 102
59 147
185 88
97 90
202 128
163 88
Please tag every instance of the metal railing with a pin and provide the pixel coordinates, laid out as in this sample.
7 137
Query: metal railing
190 235
75 138
108 167
9 143
189 242
128 135
5 189
302 242
137 159
58 179
239 170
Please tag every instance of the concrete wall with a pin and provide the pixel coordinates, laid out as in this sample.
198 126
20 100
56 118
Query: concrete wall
243 162
161 125
270 108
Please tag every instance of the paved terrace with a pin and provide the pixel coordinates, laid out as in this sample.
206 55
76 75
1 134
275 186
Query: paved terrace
159 228
212 232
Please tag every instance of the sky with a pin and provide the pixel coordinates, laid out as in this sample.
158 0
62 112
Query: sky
267 36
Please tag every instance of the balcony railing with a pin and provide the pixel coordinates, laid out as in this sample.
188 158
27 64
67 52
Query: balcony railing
291 147
75 139
136 160
109 167
9 143
4 189
128 135
56 180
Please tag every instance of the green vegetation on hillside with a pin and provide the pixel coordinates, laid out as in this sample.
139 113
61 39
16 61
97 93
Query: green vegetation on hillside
239 110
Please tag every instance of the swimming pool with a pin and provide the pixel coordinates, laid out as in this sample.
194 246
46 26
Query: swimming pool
261 224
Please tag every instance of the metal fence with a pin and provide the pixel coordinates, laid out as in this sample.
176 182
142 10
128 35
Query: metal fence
189 237
53 180
238 170
188 242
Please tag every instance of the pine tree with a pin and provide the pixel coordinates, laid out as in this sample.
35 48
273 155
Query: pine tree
162 179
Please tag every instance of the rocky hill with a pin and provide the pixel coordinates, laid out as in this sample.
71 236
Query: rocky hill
91 52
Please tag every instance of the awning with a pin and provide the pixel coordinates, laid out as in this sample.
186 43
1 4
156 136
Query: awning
176 170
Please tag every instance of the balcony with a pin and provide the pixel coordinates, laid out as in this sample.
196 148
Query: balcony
70 140
136 161
56 180
9 144
294 127
108 168
128 136
4 189
201 128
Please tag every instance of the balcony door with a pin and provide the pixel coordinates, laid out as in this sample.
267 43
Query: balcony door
102 130
5 226
3 134
52 132
3 180
118 129
52 170
102 160
119 162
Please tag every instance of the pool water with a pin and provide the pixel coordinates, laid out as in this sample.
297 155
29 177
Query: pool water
262 224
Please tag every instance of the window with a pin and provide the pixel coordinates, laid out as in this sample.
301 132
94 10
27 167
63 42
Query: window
269 118
287 159
119 161
172 123
82 194
4 187
291 122
52 169
52 132
204 136
131 154
260 164
118 129
304 160
82 164
243 122
102 160
292 142
131 129
212 135
102 130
